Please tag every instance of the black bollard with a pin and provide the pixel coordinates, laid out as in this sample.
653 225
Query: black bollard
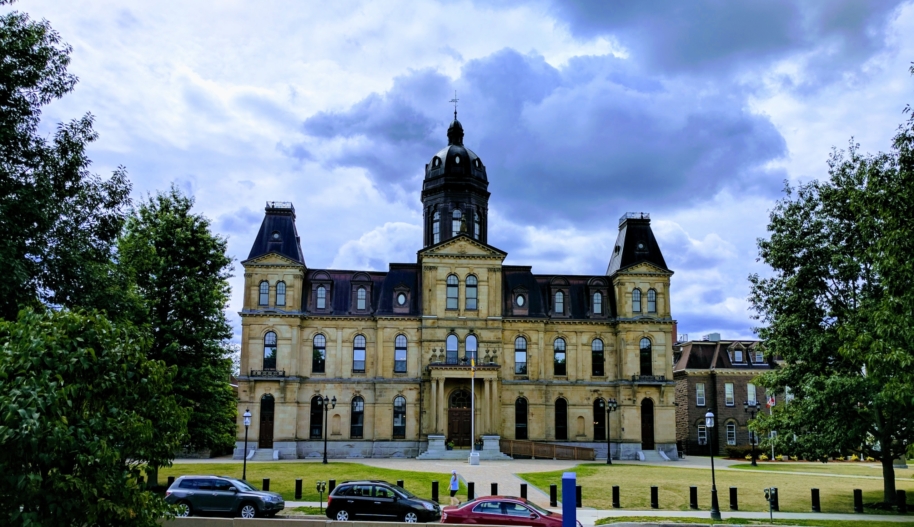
816 504
471 490
655 502
435 491
330 486
858 500
400 483
902 498
298 488
171 479
616 497
494 489
523 490
553 496
734 502
775 505
693 498
577 497
266 484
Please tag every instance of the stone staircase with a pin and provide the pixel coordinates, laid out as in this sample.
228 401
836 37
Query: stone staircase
262 454
653 456
436 450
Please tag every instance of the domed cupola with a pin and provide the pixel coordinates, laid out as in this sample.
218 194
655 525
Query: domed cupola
455 194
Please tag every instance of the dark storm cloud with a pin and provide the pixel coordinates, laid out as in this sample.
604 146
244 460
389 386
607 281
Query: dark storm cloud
592 139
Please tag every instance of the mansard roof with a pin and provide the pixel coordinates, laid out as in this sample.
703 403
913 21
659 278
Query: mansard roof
635 244
383 285
714 355
278 234
539 293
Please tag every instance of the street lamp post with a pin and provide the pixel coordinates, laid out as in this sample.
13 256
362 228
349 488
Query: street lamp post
715 507
751 407
328 404
247 423
611 406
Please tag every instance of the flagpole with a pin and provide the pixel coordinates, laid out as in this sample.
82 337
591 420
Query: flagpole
473 404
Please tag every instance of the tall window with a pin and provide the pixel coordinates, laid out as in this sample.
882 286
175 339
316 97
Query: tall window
452 284
596 358
520 356
436 227
559 359
280 293
360 296
651 301
599 420
731 434
750 393
561 420
702 435
636 300
476 225
321 297
400 354
455 222
520 418
317 417
559 303
356 423
451 349
728 394
699 394
269 351
471 347
319 357
471 292
399 417
647 361
598 303
264 293
358 354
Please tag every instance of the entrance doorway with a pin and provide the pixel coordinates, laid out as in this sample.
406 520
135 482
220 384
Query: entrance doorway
647 424
266 421
458 418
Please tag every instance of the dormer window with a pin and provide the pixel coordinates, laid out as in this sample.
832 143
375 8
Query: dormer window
401 299
476 225
436 162
560 303
456 160
321 297
598 303
737 355
455 222
361 299
520 301
275 236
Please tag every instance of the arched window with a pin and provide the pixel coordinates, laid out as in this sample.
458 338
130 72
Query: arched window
647 362
561 420
651 301
321 297
264 293
400 354
471 292
360 296
599 420
451 349
520 418
470 346
269 351
559 358
455 222
436 227
280 293
636 300
399 417
452 284
357 420
597 359
598 303
477 229
358 354
317 417
520 357
319 357
559 303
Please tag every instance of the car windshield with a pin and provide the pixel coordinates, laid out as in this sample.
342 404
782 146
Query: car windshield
403 492
243 485
538 509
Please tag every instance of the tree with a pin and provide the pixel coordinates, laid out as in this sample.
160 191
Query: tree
83 413
181 274
839 308
58 222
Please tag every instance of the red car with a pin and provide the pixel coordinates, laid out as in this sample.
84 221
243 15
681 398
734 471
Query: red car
501 510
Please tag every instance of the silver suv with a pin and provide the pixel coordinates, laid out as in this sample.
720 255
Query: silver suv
195 494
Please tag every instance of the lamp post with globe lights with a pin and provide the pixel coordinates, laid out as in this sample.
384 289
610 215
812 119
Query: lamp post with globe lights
328 404
247 423
611 406
751 407
715 508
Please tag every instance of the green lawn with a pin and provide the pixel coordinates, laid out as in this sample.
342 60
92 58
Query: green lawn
738 521
283 475
596 480
845 468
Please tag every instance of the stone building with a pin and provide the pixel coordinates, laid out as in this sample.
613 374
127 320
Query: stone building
394 348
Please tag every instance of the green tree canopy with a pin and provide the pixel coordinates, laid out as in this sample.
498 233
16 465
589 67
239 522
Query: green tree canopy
82 413
181 274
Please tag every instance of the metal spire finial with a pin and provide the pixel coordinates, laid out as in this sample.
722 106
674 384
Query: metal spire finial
454 100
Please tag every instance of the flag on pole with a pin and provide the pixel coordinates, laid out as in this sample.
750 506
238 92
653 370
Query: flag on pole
771 401
473 366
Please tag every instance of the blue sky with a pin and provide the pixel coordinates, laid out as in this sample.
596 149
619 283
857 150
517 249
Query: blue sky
696 112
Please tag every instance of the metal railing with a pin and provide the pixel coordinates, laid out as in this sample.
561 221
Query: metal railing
648 378
268 373
634 216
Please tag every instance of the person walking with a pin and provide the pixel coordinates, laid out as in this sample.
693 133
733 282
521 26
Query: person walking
454 487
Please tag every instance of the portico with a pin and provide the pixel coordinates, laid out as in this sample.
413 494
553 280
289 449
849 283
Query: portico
447 381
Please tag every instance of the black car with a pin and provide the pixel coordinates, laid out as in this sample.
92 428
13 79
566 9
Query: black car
195 494
379 500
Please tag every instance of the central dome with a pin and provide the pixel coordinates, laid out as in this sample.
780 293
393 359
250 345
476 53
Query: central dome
455 160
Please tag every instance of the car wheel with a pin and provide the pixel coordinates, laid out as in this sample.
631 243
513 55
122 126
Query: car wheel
184 509
342 516
411 517
247 510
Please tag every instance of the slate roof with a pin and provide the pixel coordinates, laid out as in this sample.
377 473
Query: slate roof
539 294
382 288
278 234
635 244
714 355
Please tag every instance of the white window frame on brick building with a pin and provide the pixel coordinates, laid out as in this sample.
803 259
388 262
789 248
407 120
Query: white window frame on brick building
728 394
700 394
731 434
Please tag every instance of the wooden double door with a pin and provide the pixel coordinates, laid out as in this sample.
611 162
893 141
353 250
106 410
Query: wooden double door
459 415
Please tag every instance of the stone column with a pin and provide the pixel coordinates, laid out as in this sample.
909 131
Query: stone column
496 409
433 411
487 415
442 408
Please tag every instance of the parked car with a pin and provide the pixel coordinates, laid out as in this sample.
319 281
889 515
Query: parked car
501 510
196 494
379 500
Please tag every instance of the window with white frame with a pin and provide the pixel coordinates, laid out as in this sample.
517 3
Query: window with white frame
700 394
731 433
759 356
702 435
361 298
750 393
728 394
321 297
737 355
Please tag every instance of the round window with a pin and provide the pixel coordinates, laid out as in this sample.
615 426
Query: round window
275 235
401 299
457 160
520 300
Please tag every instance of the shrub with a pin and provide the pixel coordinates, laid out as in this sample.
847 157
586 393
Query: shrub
763 457
738 452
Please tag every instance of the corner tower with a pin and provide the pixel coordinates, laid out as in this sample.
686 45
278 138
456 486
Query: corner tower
455 194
